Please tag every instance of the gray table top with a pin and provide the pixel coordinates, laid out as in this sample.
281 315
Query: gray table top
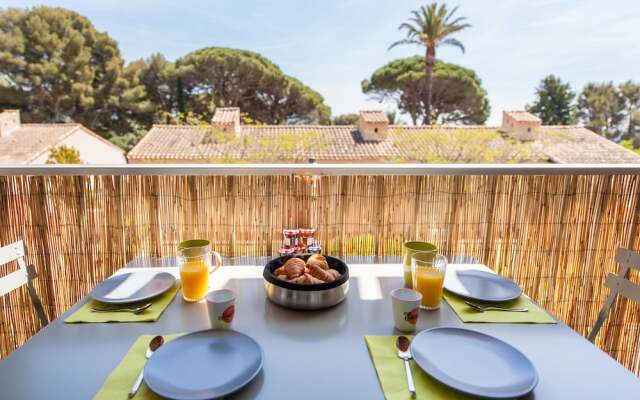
325 350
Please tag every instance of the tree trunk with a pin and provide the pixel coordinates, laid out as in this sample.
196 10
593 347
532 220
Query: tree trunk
430 60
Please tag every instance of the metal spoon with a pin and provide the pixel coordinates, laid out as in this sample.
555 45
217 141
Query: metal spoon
135 310
480 308
154 345
402 344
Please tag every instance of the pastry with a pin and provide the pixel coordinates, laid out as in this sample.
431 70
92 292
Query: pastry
319 263
334 273
315 257
294 268
319 273
304 279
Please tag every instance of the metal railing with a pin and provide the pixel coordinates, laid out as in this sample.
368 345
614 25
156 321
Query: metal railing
321 169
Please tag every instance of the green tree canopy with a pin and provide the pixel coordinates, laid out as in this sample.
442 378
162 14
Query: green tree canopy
64 155
457 94
55 66
601 108
345 119
431 26
222 77
553 103
630 92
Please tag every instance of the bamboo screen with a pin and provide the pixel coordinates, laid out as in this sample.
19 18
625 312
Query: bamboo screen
554 235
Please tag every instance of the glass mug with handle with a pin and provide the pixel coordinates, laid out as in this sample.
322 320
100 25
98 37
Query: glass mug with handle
428 269
195 264
408 250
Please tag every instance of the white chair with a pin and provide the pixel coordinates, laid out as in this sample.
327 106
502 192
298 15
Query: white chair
618 284
23 276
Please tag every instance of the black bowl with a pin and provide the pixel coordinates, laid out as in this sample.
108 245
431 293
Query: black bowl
333 262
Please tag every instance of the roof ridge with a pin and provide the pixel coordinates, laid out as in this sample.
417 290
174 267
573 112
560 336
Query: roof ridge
63 124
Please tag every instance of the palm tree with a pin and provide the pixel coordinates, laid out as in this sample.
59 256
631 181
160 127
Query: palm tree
432 26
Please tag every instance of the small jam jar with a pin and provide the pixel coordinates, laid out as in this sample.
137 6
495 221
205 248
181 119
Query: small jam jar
290 236
307 234
286 250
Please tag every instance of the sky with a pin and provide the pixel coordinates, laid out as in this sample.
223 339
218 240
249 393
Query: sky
332 45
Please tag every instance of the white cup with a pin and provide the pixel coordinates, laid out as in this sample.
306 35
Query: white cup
406 308
221 308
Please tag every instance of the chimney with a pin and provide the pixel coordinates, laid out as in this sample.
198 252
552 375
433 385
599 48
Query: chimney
373 125
227 119
521 125
9 121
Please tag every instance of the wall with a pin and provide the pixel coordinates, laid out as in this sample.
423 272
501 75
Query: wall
92 150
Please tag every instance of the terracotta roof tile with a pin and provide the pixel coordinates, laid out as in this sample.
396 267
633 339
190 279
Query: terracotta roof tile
373 116
523 116
226 115
298 143
28 141
574 144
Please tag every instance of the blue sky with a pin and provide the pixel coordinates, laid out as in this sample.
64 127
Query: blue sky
332 45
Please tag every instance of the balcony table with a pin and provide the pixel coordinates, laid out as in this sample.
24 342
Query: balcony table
308 355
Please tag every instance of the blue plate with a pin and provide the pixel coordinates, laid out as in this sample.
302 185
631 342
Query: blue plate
481 285
133 287
474 363
203 365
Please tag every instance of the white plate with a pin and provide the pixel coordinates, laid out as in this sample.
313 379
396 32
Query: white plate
474 363
481 285
203 365
133 287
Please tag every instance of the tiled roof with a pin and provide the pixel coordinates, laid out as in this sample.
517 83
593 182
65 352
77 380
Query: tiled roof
572 144
270 143
373 116
335 143
226 115
28 141
523 116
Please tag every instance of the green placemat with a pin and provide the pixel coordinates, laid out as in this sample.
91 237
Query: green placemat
121 379
151 314
536 314
392 378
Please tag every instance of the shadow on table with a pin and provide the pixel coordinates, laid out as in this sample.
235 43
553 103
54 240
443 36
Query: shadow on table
294 324
252 390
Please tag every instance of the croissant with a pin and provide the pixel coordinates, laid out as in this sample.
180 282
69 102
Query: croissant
279 271
304 279
294 267
316 257
319 273
334 273
314 280
322 264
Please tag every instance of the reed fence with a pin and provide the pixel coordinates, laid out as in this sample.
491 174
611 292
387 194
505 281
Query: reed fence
554 235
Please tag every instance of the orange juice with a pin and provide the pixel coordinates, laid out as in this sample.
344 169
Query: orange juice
195 279
429 283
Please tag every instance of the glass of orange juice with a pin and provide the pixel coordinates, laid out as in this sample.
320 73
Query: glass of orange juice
428 269
194 262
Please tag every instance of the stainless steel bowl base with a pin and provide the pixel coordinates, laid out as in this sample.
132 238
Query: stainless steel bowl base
306 299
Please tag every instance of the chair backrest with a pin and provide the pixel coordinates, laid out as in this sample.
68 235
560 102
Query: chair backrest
15 279
23 276
619 284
